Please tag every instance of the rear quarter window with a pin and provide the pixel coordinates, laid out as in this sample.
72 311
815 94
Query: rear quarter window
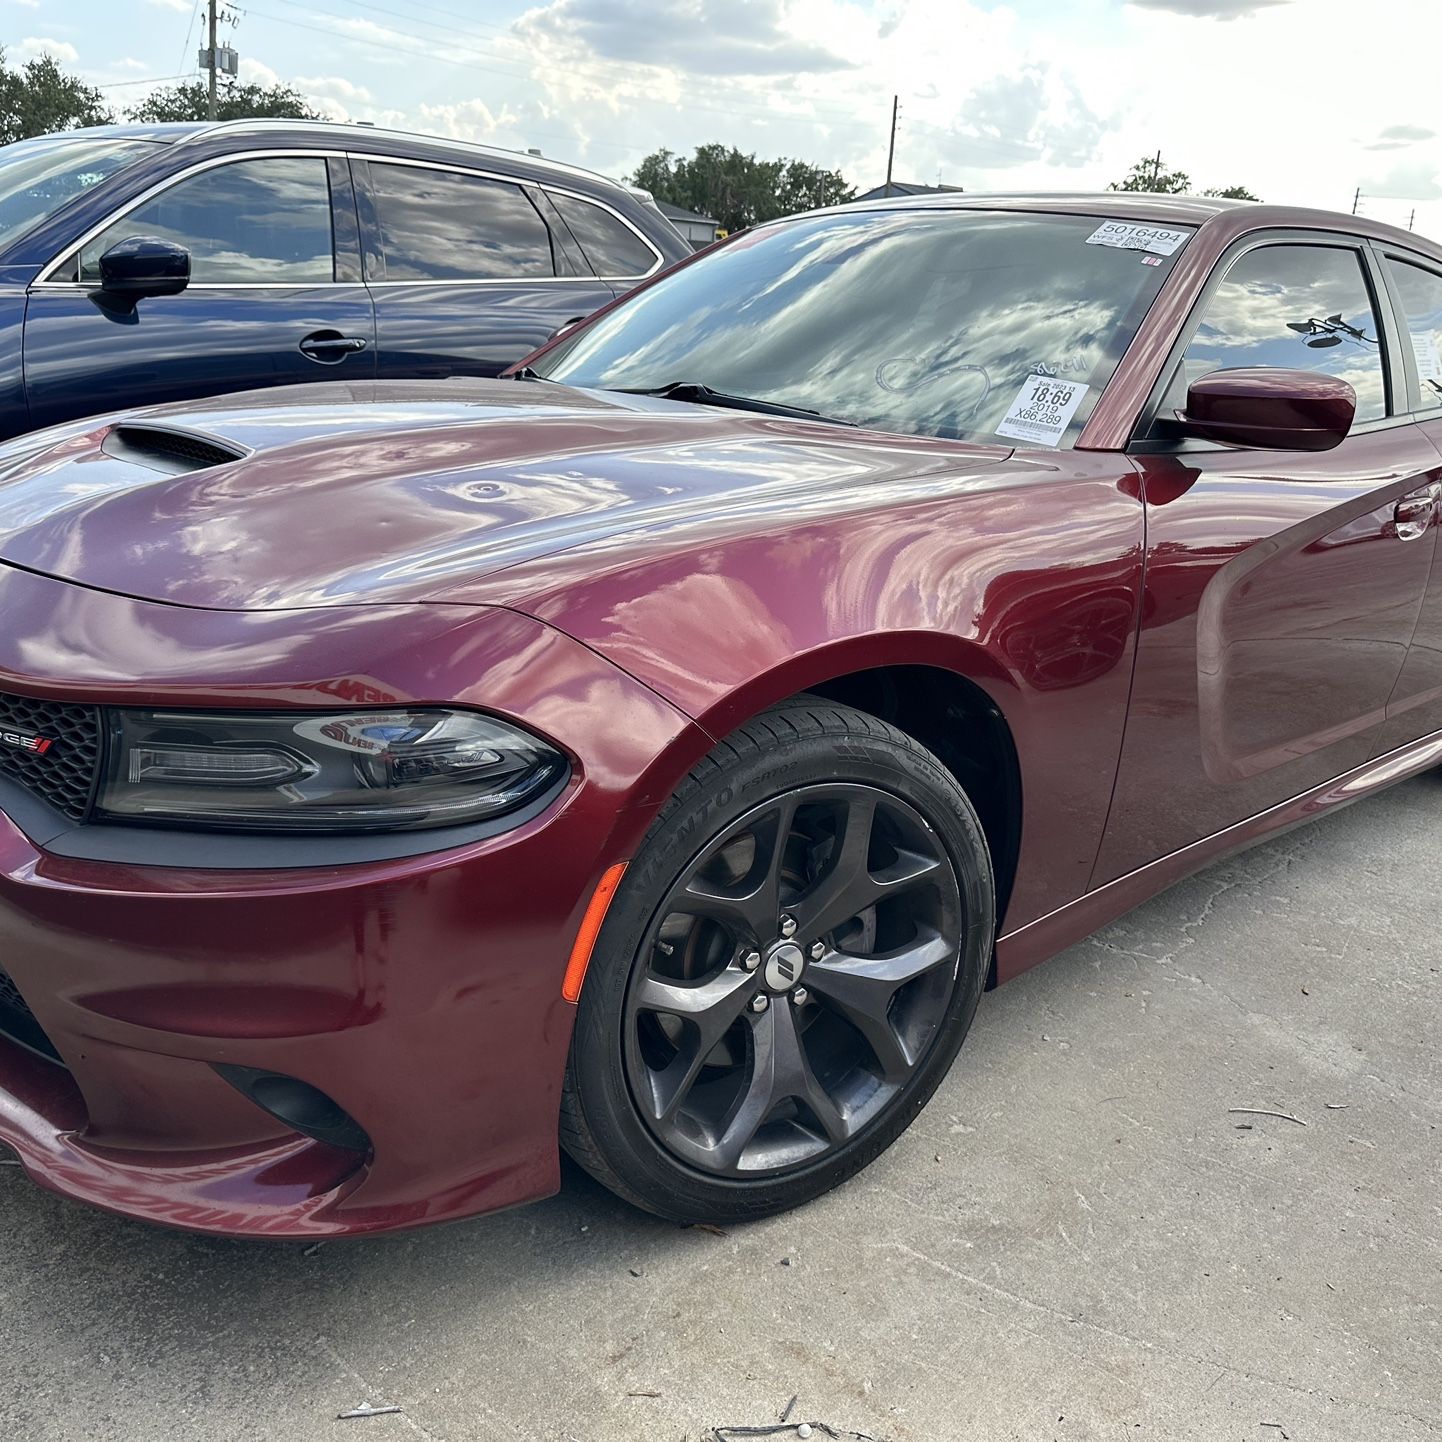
610 245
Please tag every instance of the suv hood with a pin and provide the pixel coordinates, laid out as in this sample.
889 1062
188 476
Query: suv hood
345 494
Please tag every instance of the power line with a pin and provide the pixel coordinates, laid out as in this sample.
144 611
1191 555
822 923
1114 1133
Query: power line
152 80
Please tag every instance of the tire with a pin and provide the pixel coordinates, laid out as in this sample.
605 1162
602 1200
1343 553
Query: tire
688 1095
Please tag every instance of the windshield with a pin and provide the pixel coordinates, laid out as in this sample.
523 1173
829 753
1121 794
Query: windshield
38 176
970 325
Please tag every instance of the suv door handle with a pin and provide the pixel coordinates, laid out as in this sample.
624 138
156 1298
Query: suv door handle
1415 513
330 346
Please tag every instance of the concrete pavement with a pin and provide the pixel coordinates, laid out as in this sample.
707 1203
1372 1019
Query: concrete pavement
1078 1239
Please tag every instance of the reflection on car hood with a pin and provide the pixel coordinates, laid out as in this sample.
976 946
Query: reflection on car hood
348 494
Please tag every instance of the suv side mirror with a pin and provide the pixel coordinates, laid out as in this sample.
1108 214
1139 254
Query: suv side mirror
144 265
1280 410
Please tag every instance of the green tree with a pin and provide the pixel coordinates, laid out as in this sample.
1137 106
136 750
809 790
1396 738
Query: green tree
233 102
41 98
739 190
1150 173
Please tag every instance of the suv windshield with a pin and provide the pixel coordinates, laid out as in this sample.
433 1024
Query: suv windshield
38 176
957 323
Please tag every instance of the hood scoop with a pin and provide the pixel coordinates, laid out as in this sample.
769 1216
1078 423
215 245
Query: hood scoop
175 452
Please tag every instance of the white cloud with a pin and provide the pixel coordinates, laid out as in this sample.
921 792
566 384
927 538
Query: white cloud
179 7
34 46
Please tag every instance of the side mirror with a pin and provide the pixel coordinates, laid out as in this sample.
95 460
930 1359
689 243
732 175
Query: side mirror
144 265
571 324
1279 410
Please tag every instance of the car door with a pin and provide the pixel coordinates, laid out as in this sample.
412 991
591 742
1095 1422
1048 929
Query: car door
275 295
1415 283
1281 589
466 274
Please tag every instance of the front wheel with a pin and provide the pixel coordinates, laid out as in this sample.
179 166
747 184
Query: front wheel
789 968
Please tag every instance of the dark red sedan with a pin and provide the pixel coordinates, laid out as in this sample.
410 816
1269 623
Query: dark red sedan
656 754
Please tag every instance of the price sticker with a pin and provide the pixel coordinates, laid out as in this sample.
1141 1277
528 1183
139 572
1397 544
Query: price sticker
1042 410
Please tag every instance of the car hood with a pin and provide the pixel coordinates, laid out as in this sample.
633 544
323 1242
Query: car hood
348 494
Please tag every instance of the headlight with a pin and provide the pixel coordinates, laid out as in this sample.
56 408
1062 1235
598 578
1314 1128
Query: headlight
358 771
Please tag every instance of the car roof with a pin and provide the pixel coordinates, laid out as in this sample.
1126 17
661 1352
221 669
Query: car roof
1238 216
344 134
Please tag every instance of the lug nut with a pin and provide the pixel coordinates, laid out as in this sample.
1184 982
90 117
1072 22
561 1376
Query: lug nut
759 1003
751 960
818 950
788 926
800 996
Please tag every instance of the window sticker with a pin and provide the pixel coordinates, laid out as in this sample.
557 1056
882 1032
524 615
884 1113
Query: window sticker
1124 236
1042 410
1429 362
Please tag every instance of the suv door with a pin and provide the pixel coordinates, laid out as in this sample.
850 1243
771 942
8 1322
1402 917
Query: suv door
466 274
275 294
1281 588
1416 287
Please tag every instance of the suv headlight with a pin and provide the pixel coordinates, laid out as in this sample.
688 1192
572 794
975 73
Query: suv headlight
395 770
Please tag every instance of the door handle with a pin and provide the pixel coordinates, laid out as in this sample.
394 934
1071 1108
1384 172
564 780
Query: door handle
1415 513
330 346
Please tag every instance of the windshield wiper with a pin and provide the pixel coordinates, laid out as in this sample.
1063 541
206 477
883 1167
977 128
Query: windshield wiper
528 373
703 395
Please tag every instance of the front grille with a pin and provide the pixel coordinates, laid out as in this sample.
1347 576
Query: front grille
18 1022
169 450
62 773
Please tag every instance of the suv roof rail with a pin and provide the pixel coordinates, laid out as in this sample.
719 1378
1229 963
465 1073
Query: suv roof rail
366 131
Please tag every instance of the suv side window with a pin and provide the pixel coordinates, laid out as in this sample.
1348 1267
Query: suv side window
1296 307
1420 292
610 245
446 225
252 221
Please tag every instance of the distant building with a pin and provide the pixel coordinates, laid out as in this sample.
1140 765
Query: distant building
906 187
698 230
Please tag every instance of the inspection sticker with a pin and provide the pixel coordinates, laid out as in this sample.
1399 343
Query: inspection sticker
1124 236
1429 362
1041 410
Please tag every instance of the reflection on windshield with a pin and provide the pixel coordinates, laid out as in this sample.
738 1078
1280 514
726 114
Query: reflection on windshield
926 323
37 177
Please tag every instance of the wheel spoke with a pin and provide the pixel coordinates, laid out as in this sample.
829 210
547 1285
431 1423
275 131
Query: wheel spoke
861 989
846 888
750 909
709 1009
781 1071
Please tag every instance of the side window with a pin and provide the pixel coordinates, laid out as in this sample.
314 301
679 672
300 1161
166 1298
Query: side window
1296 307
251 221
611 246
1420 292
443 225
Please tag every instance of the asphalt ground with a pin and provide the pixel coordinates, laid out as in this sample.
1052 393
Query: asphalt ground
1081 1237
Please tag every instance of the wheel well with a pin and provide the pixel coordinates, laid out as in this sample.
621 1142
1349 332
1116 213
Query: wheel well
963 726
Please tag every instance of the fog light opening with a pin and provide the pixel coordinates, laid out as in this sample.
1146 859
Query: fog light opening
302 1107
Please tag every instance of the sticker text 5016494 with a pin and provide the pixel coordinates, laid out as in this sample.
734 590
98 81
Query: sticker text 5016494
1042 410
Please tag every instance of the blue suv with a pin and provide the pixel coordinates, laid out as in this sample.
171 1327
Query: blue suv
143 263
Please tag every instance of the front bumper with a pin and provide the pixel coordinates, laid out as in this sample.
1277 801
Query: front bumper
421 993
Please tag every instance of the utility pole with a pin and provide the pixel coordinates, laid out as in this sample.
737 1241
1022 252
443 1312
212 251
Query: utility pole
891 150
1157 170
210 102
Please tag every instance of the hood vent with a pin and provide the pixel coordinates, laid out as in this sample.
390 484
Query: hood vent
175 452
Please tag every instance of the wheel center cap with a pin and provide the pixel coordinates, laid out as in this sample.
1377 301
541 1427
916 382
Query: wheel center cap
784 965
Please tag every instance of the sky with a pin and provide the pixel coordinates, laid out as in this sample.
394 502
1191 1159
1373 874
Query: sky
1302 101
